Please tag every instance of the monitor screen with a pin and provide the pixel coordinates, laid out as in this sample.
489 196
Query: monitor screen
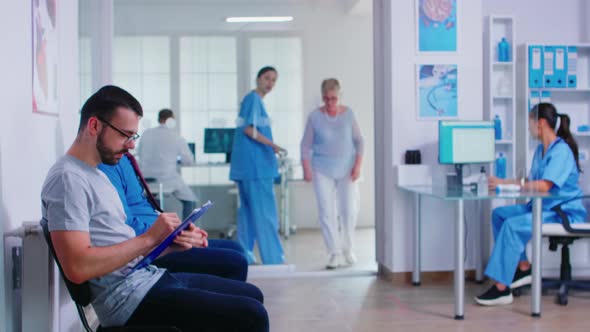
191 147
218 140
466 142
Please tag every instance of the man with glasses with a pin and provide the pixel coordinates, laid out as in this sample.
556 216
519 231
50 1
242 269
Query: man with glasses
92 242
159 151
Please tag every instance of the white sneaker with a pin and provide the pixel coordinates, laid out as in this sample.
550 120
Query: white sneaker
350 258
333 261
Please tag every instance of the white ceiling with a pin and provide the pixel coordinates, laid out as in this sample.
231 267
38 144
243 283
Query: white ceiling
348 6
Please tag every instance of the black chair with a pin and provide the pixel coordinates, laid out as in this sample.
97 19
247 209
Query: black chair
565 234
80 293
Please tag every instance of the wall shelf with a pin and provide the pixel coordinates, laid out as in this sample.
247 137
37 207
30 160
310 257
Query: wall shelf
575 102
499 92
498 63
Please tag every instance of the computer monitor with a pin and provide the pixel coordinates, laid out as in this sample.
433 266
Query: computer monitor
192 149
219 140
465 142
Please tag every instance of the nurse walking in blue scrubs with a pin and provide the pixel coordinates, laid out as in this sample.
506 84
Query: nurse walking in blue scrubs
555 169
254 168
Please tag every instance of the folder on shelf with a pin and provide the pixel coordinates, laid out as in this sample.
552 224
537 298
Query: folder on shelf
549 67
534 98
535 66
560 70
572 66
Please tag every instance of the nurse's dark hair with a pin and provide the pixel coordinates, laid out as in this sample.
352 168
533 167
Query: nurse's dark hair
548 112
104 102
264 70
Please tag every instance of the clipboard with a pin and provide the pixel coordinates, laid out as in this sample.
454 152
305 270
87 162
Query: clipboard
194 216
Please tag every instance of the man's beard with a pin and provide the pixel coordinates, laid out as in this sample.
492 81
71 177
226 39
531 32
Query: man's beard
107 155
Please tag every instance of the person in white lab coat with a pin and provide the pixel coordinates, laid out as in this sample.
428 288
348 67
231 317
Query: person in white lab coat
159 151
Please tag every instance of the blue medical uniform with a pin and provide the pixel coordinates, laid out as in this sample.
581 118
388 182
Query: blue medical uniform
512 225
221 258
253 167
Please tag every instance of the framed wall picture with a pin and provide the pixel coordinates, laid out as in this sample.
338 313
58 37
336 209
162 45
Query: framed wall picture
45 56
436 25
436 91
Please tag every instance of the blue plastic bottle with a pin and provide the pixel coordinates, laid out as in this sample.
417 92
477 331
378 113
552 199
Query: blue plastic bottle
497 127
500 166
503 51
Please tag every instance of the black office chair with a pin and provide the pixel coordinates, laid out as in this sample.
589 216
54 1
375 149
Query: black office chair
80 293
565 234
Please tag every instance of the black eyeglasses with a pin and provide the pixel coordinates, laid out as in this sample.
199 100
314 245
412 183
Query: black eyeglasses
130 138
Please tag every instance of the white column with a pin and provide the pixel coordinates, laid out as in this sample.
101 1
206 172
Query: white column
382 58
101 38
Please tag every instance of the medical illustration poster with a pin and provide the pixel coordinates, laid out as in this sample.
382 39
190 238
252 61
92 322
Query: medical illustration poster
437 25
45 56
436 91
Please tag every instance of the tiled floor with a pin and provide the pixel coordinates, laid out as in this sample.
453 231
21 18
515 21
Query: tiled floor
306 251
306 297
368 303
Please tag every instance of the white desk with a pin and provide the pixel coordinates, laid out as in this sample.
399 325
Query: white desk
458 197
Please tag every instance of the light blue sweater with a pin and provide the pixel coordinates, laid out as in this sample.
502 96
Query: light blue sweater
332 143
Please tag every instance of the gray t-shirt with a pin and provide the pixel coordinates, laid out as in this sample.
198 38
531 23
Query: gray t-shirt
78 197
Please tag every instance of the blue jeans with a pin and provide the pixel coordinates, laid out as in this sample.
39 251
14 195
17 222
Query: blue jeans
194 302
223 258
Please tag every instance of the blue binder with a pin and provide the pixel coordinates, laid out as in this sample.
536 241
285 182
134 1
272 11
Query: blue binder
572 67
560 75
535 66
548 67
194 216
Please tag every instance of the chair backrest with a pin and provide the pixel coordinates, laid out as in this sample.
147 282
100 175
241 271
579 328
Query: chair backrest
80 293
565 219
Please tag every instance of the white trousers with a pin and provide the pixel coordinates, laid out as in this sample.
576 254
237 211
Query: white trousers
338 202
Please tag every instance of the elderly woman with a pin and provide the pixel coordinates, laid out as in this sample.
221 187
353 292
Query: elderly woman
331 155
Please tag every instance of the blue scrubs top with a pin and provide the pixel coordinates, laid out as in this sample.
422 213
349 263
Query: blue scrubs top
123 177
558 166
251 160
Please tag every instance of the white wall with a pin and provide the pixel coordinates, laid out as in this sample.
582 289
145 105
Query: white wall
30 143
335 43
545 21
539 21
409 133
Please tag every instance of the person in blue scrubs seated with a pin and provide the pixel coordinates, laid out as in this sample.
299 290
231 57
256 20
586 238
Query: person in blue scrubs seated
221 258
555 169
254 167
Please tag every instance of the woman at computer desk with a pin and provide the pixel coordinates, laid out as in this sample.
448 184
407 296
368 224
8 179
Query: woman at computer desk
331 156
254 168
555 169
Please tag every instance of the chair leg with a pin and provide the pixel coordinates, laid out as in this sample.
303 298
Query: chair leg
565 275
565 272
562 295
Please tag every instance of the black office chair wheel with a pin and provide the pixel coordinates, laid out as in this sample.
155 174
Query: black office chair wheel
562 299
517 292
